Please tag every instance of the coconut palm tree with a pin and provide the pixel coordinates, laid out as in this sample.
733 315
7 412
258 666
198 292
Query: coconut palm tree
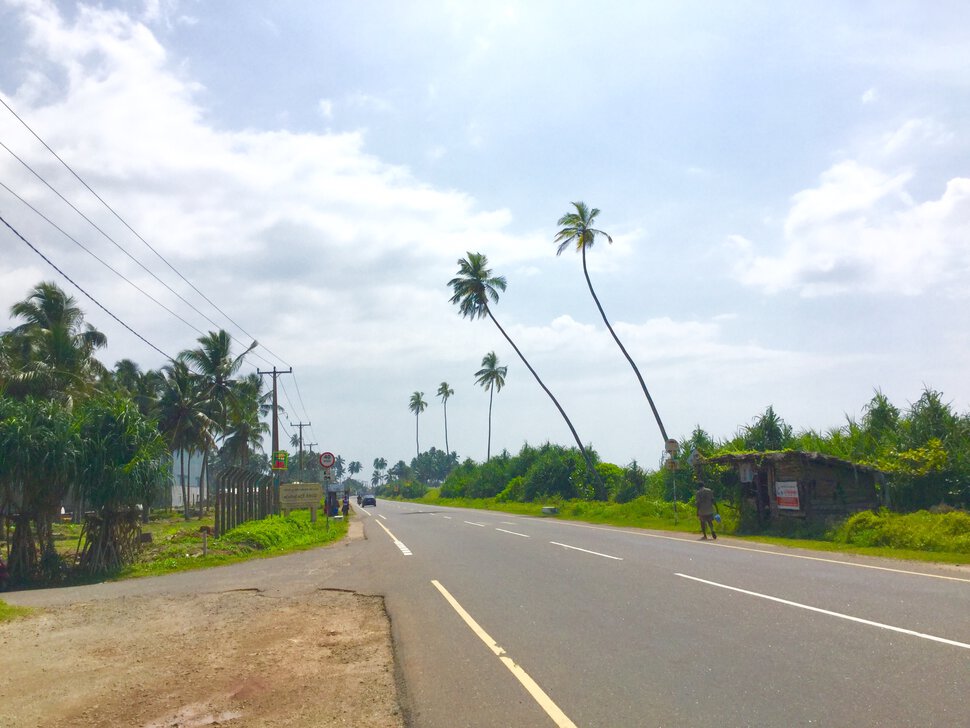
354 467
380 465
214 363
56 346
417 405
244 431
473 288
578 230
444 391
492 377
184 417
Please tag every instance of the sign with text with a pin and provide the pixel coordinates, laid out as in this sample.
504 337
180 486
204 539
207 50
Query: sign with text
300 495
786 495
327 459
281 460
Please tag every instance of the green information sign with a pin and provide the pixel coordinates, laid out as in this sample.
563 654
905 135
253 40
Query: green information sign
281 460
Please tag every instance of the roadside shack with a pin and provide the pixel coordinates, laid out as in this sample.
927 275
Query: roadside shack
796 484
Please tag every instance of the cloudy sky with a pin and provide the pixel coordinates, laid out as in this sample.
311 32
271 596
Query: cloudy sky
787 188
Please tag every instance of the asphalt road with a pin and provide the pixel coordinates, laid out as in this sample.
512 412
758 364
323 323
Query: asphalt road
513 621
503 621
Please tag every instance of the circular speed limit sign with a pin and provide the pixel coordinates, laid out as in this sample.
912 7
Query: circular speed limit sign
327 459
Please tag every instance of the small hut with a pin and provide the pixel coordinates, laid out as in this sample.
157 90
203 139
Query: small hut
809 485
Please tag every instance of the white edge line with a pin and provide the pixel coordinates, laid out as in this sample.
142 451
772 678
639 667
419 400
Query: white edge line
480 525
537 693
586 551
641 532
849 617
523 535
382 516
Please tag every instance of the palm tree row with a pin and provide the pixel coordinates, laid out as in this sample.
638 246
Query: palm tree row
198 400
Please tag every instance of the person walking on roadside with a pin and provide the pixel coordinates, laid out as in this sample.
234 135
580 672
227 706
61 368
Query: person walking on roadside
706 508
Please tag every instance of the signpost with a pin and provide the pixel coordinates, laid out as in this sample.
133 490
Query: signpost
294 496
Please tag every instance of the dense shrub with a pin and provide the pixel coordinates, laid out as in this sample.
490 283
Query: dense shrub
920 531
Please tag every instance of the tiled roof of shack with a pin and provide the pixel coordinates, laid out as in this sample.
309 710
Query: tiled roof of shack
781 456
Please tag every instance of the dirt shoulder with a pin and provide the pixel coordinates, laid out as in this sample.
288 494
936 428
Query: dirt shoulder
232 658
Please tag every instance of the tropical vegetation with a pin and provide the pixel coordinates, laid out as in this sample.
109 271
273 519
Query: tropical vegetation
78 437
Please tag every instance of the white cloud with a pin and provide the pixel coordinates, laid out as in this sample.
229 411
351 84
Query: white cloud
860 230
325 107
870 96
916 132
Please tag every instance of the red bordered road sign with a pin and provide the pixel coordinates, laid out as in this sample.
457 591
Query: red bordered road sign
327 459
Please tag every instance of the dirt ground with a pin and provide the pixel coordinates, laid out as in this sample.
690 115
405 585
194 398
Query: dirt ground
235 658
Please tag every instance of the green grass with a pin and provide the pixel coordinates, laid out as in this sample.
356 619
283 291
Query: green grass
177 546
922 536
9 612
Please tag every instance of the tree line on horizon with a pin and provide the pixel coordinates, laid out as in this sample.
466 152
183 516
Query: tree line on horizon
922 450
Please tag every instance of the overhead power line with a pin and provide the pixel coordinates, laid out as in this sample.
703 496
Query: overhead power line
102 262
133 231
96 301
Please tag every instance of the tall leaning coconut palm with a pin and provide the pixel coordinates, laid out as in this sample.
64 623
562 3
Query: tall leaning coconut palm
473 287
445 392
492 377
417 405
578 230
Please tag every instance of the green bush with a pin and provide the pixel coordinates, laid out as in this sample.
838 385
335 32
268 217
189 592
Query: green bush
919 531
514 491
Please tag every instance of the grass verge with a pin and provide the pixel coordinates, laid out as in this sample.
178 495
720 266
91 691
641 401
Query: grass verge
177 544
9 611
923 536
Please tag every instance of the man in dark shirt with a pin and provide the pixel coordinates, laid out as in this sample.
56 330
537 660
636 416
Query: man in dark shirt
706 508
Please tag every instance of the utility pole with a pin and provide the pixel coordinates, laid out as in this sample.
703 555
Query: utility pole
276 432
301 425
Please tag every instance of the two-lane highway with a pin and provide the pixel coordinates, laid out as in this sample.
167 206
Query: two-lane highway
503 620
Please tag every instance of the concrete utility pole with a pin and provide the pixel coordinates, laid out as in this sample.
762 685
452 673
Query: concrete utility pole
301 425
276 432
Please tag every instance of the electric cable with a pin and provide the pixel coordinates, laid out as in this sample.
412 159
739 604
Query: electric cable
102 262
98 303
133 231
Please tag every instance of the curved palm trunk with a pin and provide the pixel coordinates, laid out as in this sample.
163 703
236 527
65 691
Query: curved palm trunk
569 424
623 349
447 448
488 449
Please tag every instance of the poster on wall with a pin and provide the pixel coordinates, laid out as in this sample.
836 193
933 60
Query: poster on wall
786 495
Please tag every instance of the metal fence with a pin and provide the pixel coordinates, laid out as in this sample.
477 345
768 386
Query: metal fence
241 495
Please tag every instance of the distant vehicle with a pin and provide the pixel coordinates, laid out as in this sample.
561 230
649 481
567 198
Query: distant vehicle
369 500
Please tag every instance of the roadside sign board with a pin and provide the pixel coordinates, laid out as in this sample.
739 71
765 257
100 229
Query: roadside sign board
328 475
281 460
300 495
786 495
327 459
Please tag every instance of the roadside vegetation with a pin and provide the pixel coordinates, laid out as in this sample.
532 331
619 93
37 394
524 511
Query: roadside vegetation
88 453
